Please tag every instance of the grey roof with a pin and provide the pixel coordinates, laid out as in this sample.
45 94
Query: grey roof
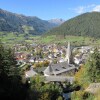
30 73
39 69
59 68
59 79
48 70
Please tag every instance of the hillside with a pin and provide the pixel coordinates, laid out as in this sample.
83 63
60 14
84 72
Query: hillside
11 22
87 24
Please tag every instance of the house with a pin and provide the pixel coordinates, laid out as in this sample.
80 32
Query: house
50 56
30 73
85 49
77 60
62 68
31 60
20 55
61 60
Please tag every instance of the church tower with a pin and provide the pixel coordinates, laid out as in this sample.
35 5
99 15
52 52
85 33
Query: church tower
68 53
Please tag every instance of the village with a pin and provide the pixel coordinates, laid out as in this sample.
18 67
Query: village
51 60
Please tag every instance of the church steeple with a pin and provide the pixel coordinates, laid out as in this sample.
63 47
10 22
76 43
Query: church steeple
68 53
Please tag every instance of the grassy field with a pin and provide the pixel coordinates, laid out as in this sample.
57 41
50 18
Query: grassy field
10 37
14 38
75 40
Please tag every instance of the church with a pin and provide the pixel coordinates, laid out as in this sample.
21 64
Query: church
63 68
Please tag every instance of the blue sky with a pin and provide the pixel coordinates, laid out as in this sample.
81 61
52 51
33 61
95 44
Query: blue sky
49 9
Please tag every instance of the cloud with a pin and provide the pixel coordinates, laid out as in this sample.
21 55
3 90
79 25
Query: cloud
79 10
96 8
91 6
88 8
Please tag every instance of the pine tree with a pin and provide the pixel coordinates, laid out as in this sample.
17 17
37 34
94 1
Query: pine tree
11 86
93 67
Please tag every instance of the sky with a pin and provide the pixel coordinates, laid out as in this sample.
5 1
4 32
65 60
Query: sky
50 9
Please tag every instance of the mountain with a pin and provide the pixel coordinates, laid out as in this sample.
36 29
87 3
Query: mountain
11 22
56 21
87 24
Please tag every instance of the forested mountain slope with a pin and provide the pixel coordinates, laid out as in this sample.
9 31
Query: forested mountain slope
11 22
87 24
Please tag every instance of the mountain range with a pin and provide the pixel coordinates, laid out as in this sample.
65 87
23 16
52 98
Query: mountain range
87 24
56 21
12 22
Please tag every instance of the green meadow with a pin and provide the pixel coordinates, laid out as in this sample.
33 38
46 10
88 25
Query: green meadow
75 40
58 39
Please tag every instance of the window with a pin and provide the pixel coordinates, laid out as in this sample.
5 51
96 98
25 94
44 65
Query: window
56 70
63 67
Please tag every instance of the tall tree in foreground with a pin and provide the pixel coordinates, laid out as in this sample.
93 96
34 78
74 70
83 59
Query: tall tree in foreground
11 86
